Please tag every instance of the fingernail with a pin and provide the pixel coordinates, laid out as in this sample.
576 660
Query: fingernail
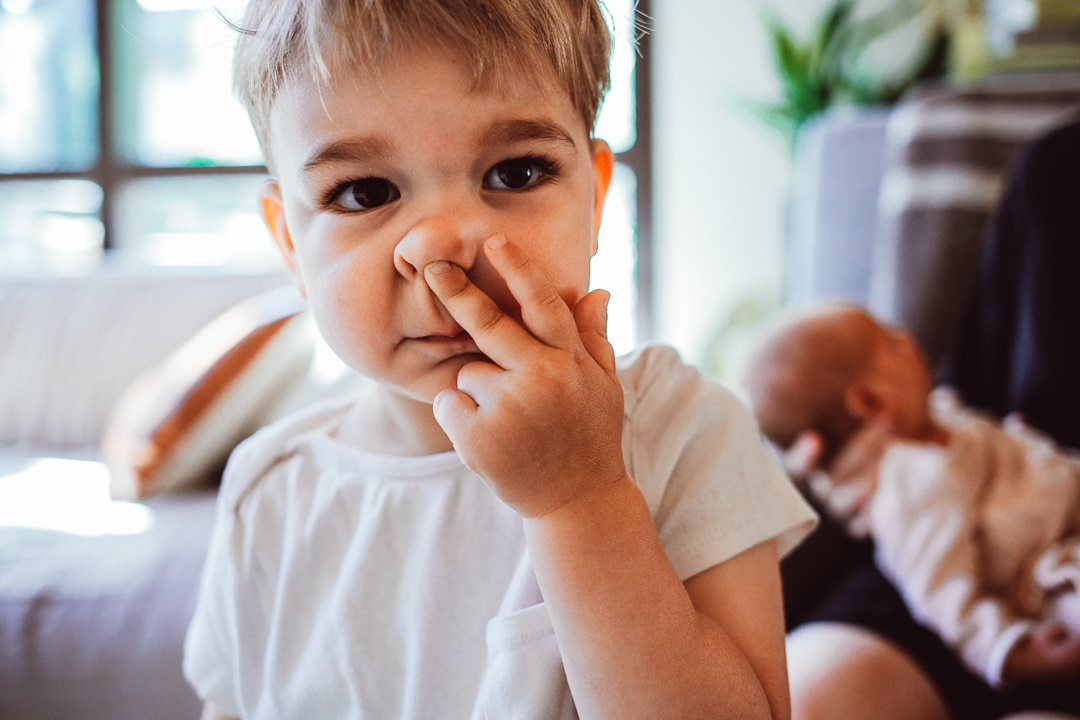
496 241
438 267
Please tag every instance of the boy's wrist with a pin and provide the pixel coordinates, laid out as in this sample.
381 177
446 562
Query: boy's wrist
586 504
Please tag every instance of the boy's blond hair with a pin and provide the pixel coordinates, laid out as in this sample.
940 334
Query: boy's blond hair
501 39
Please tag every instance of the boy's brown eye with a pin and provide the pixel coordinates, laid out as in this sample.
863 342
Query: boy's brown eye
516 174
366 194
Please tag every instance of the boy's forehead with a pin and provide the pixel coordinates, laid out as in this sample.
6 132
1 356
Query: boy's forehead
345 78
428 88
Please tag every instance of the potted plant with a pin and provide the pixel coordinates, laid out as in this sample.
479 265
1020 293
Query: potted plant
827 68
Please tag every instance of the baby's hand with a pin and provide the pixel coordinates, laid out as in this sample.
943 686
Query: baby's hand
804 455
543 424
844 488
1049 654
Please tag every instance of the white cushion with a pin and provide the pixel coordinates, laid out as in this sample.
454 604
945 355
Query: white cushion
70 345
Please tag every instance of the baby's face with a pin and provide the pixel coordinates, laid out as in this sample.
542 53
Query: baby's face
380 174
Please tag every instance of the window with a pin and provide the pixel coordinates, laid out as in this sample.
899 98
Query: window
120 138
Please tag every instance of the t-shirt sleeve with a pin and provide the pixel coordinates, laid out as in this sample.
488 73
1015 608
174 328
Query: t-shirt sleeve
713 486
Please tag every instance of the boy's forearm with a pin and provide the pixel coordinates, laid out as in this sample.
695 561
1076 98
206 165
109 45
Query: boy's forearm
632 642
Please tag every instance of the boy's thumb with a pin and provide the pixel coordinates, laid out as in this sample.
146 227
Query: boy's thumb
453 410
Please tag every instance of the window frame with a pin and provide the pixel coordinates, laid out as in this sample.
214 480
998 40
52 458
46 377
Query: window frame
110 171
639 159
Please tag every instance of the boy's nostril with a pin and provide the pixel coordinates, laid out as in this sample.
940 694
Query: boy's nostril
434 239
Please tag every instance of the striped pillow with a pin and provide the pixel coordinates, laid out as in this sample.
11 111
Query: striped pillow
947 155
174 427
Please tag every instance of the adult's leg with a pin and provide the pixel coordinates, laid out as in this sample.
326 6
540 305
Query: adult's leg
840 672
866 602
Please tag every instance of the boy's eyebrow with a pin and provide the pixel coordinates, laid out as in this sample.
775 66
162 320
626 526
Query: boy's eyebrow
365 149
511 131
502 132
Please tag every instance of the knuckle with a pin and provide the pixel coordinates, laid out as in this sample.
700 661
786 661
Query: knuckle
489 317
549 299
562 369
520 263
457 287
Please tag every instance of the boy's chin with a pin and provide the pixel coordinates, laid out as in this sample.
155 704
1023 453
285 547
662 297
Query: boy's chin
444 377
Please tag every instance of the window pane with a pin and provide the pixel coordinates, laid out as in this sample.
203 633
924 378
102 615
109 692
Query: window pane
614 267
50 223
194 221
174 85
617 123
48 86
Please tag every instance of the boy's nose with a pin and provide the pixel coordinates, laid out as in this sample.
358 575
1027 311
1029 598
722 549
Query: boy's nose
437 238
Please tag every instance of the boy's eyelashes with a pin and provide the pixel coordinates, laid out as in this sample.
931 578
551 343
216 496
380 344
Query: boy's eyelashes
363 194
520 173
513 175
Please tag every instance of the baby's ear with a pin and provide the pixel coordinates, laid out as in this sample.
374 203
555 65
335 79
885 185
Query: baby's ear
272 207
864 401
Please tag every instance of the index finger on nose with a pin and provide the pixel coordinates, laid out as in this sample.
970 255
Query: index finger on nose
496 334
544 312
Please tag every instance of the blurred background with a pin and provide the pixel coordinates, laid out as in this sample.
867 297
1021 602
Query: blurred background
121 142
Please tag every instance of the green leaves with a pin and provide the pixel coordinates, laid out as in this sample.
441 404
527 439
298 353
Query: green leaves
822 70
808 70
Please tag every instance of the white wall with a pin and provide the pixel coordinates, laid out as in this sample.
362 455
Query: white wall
720 176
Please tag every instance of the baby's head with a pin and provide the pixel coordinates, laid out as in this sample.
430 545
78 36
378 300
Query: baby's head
404 132
500 43
832 369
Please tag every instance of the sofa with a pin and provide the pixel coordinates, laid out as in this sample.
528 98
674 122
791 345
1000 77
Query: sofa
102 532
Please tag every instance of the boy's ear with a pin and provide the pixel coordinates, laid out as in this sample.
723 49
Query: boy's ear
273 214
603 164
865 401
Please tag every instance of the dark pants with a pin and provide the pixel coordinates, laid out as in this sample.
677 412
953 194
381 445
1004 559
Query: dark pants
849 589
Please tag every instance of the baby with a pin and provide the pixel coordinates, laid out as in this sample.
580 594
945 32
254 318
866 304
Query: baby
511 522
977 524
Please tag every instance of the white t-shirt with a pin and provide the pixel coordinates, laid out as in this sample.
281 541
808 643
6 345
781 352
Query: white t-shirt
347 584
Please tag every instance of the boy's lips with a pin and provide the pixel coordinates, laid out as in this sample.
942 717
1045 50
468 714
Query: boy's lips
452 336
454 341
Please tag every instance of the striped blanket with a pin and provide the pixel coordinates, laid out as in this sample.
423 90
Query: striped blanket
948 152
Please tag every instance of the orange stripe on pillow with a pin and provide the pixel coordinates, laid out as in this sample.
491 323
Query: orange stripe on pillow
198 400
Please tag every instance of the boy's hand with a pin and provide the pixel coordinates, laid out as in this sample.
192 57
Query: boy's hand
1050 654
543 424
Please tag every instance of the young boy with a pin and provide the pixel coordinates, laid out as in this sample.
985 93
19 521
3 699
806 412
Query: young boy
977 525
511 523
